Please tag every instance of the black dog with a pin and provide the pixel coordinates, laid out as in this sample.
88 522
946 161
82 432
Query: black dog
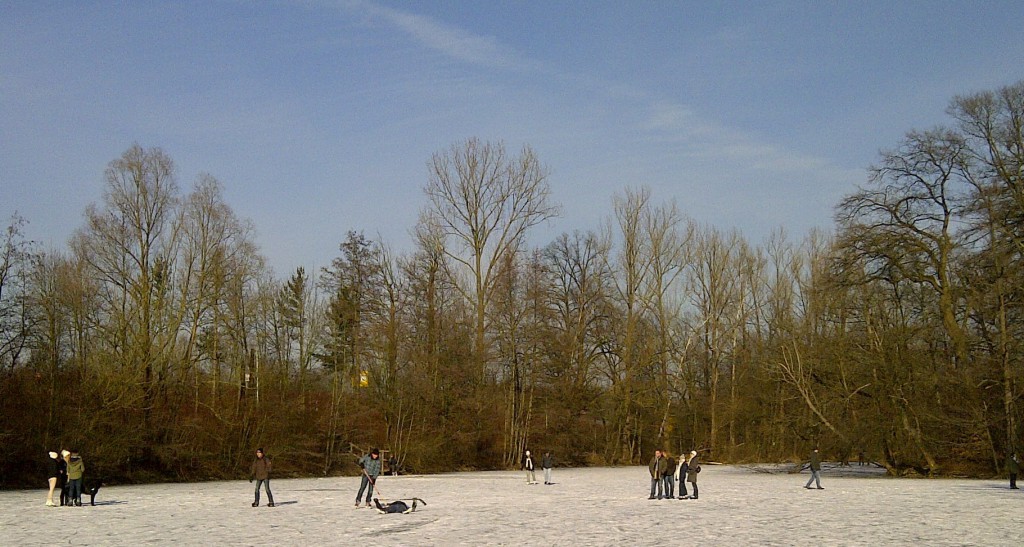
91 489
397 506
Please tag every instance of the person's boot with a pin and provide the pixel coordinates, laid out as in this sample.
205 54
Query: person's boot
255 504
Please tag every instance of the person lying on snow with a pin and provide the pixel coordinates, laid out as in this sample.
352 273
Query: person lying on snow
398 506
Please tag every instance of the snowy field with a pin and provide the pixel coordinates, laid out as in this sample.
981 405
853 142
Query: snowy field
598 506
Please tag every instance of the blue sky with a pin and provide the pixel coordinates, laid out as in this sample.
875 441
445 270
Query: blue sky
319 117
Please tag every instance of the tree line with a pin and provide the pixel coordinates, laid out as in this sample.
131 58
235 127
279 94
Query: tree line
161 345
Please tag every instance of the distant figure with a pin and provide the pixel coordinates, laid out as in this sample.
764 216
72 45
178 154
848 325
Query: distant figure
681 475
393 465
657 468
62 479
52 476
260 471
860 458
76 470
531 475
815 466
1013 468
547 463
370 465
669 476
692 469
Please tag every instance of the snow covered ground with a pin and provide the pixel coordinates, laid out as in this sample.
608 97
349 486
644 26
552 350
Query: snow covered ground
598 506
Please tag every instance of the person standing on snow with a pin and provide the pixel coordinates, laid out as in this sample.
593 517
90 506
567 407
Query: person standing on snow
52 476
681 475
370 464
261 472
657 468
815 466
547 463
531 475
692 468
1013 468
669 477
76 470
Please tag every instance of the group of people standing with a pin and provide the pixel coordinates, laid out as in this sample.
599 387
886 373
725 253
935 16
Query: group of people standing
666 471
547 462
65 472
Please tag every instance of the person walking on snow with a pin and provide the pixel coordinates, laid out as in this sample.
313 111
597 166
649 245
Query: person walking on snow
370 464
531 475
815 466
547 463
1013 468
657 468
692 468
261 472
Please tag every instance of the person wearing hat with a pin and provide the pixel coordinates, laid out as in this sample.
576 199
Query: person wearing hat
531 475
76 470
52 476
261 472
370 465
692 468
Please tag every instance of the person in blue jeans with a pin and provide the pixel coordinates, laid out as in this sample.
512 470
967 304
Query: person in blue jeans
815 466
370 465
657 468
260 471
669 477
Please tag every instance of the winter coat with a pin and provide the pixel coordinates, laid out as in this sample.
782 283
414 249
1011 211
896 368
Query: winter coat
691 470
1012 465
681 473
548 462
528 463
815 461
76 468
657 467
62 472
670 467
371 465
261 468
52 468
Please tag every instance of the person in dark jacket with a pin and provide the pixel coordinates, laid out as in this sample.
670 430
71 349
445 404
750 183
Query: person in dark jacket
815 467
681 475
62 479
52 476
692 468
370 466
657 468
1013 468
76 470
547 463
669 476
528 465
260 471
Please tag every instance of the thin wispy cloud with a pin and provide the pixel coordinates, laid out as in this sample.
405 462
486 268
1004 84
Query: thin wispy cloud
449 40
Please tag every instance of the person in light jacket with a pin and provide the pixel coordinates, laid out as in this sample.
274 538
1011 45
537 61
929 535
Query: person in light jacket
76 470
692 468
681 475
531 475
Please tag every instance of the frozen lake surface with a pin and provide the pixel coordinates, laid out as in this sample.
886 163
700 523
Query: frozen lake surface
595 506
